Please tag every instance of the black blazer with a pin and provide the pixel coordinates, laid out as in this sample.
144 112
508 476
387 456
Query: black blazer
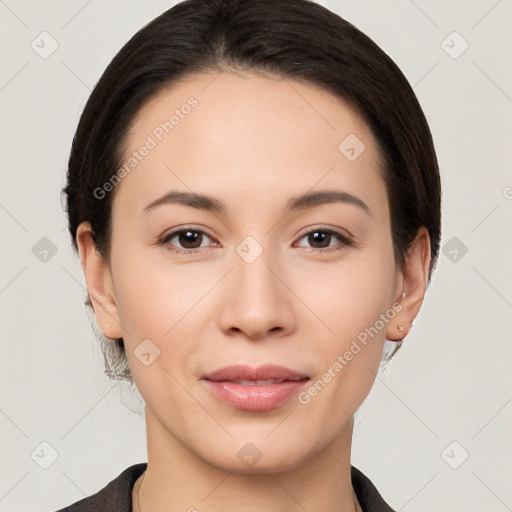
116 496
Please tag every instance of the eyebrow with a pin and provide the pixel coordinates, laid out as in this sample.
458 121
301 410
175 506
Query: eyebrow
303 202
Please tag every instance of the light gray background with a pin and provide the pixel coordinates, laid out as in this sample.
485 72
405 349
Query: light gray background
450 382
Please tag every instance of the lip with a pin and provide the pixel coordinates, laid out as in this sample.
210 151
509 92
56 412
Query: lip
244 372
221 383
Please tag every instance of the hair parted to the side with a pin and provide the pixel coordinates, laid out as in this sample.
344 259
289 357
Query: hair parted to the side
295 39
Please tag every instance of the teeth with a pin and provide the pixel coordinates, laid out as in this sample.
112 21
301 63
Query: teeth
257 382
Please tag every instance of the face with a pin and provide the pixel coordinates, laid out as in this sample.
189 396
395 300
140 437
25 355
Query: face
258 280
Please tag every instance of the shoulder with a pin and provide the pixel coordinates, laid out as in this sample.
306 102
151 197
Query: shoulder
116 496
367 494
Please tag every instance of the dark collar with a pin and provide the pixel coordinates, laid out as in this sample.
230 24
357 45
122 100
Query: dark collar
116 496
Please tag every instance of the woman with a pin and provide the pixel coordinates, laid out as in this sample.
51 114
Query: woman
255 198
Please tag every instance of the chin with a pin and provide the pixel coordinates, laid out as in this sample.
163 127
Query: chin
256 457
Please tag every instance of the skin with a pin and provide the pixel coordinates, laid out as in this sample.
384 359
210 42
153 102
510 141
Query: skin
253 142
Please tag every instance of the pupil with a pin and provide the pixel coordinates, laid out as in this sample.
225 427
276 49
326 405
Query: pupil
319 239
186 238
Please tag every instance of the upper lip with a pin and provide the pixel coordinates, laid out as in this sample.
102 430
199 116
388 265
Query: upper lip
244 372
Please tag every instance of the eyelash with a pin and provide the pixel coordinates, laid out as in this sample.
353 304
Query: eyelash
346 241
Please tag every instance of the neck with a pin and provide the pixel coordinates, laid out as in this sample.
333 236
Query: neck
178 479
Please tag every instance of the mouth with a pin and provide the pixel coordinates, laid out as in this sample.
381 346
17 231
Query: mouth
267 382
256 389
244 373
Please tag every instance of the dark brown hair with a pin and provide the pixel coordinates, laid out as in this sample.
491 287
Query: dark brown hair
296 39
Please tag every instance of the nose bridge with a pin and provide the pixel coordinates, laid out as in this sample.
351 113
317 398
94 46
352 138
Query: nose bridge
252 263
257 299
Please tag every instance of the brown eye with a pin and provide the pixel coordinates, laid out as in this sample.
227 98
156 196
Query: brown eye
320 240
187 240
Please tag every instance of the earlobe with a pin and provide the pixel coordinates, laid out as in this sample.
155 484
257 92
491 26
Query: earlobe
414 278
99 283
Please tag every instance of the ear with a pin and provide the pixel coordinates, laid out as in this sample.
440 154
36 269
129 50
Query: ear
99 283
414 277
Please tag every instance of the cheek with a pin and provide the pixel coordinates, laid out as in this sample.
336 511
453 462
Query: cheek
354 304
152 296
165 303
350 296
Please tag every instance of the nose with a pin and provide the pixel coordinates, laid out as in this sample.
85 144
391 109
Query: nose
256 300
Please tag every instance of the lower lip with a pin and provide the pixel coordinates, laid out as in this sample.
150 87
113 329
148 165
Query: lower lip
254 398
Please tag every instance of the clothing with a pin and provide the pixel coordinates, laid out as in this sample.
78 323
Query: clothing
116 496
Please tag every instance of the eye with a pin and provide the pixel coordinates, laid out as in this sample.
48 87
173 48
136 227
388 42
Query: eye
323 238
190 239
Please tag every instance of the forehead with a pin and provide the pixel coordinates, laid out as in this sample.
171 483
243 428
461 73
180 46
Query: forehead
248 137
